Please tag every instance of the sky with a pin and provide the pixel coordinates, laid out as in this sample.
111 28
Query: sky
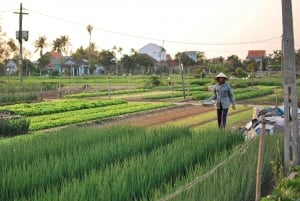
215 27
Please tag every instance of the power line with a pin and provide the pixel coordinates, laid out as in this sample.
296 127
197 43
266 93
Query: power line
159 40
7 11
224 43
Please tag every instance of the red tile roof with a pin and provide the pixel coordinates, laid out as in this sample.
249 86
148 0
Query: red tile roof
56 55
256 53
151 58
168 57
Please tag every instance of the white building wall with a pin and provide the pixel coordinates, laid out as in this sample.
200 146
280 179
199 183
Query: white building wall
154 51
192 55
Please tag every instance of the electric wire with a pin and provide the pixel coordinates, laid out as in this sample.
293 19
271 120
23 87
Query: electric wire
156 39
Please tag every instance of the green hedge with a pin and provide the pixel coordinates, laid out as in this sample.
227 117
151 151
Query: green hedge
14 126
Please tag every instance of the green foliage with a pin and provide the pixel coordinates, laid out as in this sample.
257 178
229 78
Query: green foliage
252 94
11 124
286 189
17 98
239 85
200 82
105 93
154 80
34 167
200 74
58 106
274 67
277 164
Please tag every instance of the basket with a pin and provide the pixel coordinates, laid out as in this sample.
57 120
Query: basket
207 103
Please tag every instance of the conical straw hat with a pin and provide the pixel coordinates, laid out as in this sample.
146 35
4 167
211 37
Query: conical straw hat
221 75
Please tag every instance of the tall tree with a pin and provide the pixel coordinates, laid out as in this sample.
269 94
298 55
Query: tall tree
80 53
65 44
275 58
184 59
128 63
56 45
83 53
4 48
252 67
106 58
120 51
14 49
114 50
40 44
61 44
200 58
233 62
90 29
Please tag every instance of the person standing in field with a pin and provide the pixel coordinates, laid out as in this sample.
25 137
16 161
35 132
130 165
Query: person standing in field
223 95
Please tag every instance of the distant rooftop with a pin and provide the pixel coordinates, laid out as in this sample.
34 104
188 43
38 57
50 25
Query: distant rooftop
256 54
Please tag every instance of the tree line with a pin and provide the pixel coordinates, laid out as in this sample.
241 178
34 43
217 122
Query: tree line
115 62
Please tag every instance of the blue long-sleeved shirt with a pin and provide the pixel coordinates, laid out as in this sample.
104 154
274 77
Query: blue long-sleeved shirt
223 95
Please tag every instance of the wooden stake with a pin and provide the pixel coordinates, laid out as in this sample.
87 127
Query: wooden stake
260 160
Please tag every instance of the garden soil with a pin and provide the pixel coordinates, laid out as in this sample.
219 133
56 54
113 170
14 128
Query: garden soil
157 117
181 109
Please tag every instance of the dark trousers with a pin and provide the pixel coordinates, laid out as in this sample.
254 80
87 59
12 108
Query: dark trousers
222 117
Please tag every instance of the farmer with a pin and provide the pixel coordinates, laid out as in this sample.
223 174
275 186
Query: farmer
223 95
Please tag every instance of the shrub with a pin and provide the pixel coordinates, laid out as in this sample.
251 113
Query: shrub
154 81
12 124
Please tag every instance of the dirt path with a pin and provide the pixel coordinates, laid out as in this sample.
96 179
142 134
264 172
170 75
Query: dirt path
163 116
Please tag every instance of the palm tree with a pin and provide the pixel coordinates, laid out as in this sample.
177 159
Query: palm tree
13 47
65 43
133 51
61 44
90 29
114 49
4 50
56 45
120 53
40 44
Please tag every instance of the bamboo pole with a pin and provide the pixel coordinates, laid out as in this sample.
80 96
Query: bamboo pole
260 160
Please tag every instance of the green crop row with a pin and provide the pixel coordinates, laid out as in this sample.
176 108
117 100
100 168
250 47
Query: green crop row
232 178
240 94
57 106
252 94
165 95
201 119
47 161
232 119
105 93
135 177
10 98
77 116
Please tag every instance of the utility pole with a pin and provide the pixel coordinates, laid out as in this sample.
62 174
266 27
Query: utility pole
291 123
20 36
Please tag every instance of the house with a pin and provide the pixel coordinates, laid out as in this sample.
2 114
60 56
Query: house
11 67
194 55
99 70
172 63
257 55
66 64
75 67
56 59
154 51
